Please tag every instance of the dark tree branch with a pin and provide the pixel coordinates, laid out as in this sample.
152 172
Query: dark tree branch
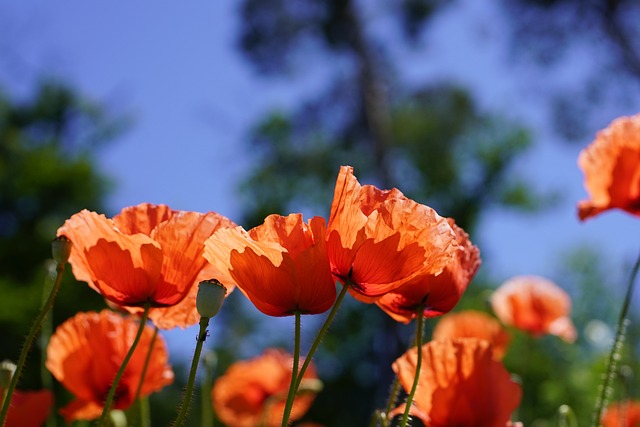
375 102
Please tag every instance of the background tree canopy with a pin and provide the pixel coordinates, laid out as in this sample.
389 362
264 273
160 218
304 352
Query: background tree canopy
47 173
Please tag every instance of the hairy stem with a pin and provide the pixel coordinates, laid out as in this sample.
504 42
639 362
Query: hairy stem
614 354
184 408
323 330
418 341
294 372
114 386
35 327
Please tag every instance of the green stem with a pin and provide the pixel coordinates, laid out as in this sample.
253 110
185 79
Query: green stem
45 336
184 408
393 397
378 415
294 372
114 386
419 327
142 413
146 362
209 362
322 332
29 342
614 354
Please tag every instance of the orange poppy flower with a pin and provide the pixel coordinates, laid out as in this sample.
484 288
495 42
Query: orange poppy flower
147 253
85 353
28 408
254 392
379 239
473 324
460 384
438 293
281 265
611 165
622 414
535 305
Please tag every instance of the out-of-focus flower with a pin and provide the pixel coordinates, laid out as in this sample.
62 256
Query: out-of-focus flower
473 324
460 384
28 408
145 254
85 353
437 293
281 265
379 239
611 165
253 392
622 414
535 305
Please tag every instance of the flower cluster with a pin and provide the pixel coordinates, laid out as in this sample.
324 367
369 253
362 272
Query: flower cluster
160 268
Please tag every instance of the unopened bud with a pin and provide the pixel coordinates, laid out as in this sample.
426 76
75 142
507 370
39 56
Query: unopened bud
61 249
210 297
7 369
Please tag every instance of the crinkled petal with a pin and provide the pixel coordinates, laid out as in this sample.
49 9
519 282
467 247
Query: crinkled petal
379 239
611 165
142 218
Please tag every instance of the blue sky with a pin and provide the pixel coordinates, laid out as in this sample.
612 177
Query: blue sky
175 70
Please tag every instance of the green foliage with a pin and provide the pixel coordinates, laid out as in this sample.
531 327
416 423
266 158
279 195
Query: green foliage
47 173
551 32
443 152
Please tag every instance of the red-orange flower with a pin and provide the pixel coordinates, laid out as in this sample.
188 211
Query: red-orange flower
28 408
460 384
535 305
622 414
146 254
611 165
437 293
473 324
281 265
379 239
253 392
85 353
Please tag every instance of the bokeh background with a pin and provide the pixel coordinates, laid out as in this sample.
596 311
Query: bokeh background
478 109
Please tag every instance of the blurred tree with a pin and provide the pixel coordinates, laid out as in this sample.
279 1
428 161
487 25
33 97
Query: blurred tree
430 140
47 173
600 37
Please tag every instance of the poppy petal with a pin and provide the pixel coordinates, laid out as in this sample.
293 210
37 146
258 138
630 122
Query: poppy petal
535 305
253 392
611 165
125 275
28 408
473 324
86 351
142 218
281 265
460 384
379 239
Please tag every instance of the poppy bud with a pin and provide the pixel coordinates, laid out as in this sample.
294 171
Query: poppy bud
211 294
7 369
61 249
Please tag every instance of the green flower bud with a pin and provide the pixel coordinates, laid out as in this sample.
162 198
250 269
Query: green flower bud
61 249
210 297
